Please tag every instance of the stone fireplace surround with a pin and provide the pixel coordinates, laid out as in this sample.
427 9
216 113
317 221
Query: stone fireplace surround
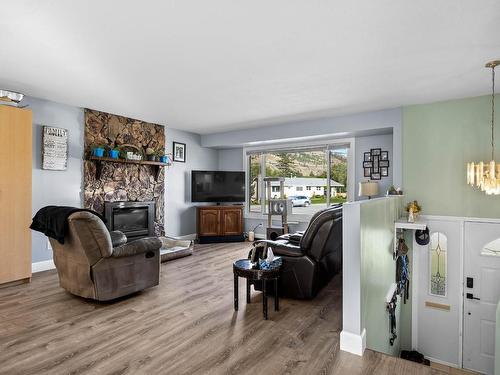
123 182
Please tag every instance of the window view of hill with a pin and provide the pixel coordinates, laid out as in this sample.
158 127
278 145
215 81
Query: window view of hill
305 175
307 164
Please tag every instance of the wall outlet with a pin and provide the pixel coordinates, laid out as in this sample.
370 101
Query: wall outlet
49 246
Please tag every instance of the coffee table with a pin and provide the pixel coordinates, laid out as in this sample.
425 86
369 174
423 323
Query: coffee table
245 268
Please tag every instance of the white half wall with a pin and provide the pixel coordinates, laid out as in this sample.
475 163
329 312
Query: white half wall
368 273
352 330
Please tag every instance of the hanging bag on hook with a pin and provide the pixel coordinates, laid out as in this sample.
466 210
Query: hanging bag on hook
402 247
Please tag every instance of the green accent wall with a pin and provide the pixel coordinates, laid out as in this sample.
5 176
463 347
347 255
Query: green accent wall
378 272
439 139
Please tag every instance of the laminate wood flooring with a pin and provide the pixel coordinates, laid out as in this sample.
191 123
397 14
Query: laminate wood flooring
186 325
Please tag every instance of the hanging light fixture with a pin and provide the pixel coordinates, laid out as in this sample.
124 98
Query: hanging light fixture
486 176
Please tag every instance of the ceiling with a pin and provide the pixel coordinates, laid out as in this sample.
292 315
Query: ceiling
208 66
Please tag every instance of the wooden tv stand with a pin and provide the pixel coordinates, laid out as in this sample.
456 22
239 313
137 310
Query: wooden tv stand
220 224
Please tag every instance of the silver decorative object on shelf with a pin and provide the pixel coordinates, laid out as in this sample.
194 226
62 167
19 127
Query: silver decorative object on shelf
133 156
54 148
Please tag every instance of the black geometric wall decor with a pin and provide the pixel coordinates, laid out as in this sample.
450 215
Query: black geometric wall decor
376 164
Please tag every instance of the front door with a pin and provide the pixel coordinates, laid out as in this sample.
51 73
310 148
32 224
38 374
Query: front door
481 294
437 295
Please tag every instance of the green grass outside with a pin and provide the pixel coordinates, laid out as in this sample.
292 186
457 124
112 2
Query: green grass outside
322 200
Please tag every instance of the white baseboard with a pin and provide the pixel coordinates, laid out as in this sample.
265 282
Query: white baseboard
42 266
352 343
444 363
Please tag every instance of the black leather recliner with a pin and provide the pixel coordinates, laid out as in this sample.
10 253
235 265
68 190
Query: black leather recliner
311 258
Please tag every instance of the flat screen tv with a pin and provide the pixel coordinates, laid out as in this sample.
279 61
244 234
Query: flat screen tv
217 186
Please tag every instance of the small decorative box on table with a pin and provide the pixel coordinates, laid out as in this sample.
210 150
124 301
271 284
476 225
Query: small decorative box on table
260 271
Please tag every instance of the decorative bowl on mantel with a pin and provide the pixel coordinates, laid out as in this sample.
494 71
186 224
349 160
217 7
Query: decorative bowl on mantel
131 152
132 156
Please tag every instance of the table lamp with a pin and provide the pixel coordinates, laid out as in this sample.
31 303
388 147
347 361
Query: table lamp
368 189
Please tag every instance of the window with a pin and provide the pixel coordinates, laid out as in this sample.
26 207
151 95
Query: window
338 173
438 249
312 169
492 248
254 182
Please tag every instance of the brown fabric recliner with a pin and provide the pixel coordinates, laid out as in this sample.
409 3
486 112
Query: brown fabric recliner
89 266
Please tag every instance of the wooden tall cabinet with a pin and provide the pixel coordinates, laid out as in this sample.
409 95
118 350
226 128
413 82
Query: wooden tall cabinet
15 194
220 223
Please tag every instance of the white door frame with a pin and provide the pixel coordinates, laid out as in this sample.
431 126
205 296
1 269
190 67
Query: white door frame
415 281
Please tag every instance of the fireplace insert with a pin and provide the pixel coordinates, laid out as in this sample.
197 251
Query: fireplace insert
134 219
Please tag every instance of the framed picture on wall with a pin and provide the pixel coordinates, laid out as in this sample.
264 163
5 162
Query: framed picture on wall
376 164
179 152
54 148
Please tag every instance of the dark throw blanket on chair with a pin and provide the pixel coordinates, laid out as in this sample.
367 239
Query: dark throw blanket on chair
53 220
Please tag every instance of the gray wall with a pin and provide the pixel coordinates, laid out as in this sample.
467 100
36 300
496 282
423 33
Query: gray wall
55 187
231 159
364 144
65 187
180 213
355 125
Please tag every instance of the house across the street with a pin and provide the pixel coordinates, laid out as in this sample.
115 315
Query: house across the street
307 186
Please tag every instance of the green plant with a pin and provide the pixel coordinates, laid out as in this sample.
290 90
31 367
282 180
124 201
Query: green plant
159 152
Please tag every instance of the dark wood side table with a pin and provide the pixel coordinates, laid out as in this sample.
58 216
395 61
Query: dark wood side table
244 268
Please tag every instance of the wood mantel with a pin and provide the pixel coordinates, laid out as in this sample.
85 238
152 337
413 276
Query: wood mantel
154 164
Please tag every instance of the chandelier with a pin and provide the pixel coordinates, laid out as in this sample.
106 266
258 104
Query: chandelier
486 176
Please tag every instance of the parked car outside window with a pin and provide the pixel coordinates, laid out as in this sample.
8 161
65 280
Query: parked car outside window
300 201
